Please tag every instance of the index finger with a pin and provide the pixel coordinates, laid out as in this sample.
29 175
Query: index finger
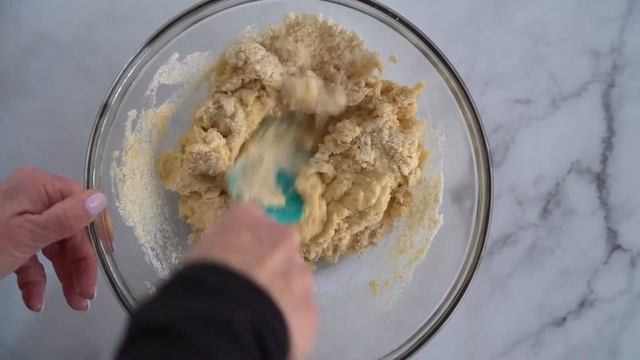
31 190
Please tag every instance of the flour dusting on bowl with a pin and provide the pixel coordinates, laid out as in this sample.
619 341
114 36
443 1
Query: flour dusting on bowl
134 168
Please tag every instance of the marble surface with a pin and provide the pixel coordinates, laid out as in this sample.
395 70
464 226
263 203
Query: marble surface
557 84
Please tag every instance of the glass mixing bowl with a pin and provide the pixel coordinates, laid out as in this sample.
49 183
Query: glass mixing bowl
354 323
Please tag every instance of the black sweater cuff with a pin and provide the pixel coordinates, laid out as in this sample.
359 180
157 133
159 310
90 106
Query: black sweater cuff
207 312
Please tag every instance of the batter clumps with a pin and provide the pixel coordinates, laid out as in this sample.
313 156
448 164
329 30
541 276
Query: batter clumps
364 141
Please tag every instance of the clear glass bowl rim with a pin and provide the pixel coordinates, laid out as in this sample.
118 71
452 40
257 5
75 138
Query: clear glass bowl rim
459 90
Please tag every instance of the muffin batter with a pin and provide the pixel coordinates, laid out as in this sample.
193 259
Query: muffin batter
361 132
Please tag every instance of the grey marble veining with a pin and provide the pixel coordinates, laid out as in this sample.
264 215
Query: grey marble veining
557 84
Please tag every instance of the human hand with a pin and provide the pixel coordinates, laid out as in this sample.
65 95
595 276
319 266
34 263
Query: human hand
249 242
43 211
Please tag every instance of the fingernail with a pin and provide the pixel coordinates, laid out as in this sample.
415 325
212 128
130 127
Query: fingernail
87 305
95 203
38 307
93 295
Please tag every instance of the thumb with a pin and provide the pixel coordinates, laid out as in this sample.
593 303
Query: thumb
68 216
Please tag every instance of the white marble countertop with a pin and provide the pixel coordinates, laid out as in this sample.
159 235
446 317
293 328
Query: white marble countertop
557 84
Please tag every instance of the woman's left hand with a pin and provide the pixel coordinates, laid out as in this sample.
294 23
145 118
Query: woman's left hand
43 211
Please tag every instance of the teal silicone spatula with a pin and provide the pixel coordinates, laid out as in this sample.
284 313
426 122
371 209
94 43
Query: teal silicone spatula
266 170
291 211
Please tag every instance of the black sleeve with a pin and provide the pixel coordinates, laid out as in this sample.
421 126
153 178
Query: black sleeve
207 312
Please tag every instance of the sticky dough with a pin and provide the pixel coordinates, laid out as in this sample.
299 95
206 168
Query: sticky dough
363 136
